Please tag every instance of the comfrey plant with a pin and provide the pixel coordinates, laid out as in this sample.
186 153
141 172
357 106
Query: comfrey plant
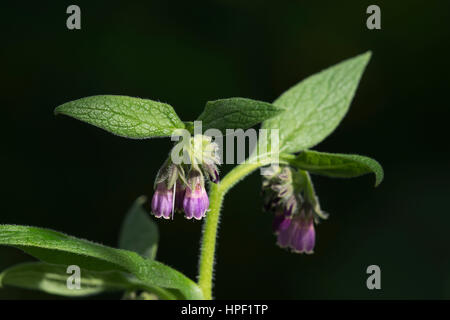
298 120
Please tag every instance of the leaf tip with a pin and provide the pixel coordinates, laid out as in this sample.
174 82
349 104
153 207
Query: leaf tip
61 109
378 181
57 111
379 176
366 57
141 200
279 109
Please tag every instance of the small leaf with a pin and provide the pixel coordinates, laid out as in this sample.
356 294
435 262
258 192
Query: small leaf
53 279
124 116
316 105
337 165
235 113
57 248
139 233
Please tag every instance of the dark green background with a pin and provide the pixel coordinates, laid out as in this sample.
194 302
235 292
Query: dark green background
65 175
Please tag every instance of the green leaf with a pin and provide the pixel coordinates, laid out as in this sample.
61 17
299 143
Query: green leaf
336 165
53 279
235 113
316 105
57 248
139 233
124 116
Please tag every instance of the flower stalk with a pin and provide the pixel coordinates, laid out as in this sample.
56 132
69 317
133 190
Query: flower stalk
208 242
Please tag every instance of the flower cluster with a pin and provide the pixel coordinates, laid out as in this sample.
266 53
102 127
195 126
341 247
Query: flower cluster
288 194
176 191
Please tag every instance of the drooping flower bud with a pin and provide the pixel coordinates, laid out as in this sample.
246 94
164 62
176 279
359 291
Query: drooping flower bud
204 155
162 201
212 171
279 192
195 202
201 150
290 205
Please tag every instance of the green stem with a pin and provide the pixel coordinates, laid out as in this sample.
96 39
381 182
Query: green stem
208 243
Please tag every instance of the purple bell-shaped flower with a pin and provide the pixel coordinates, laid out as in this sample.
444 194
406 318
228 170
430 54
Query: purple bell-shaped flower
162 201
300 235
289 194
195 202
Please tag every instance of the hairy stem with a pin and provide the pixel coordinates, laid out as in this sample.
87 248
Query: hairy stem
208 243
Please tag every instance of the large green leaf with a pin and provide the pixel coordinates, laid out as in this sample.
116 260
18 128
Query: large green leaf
139 233
316 105
336 165
124 116
52 279
236 113
57 248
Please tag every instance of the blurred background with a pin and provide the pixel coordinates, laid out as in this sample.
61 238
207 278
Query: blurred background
65 175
